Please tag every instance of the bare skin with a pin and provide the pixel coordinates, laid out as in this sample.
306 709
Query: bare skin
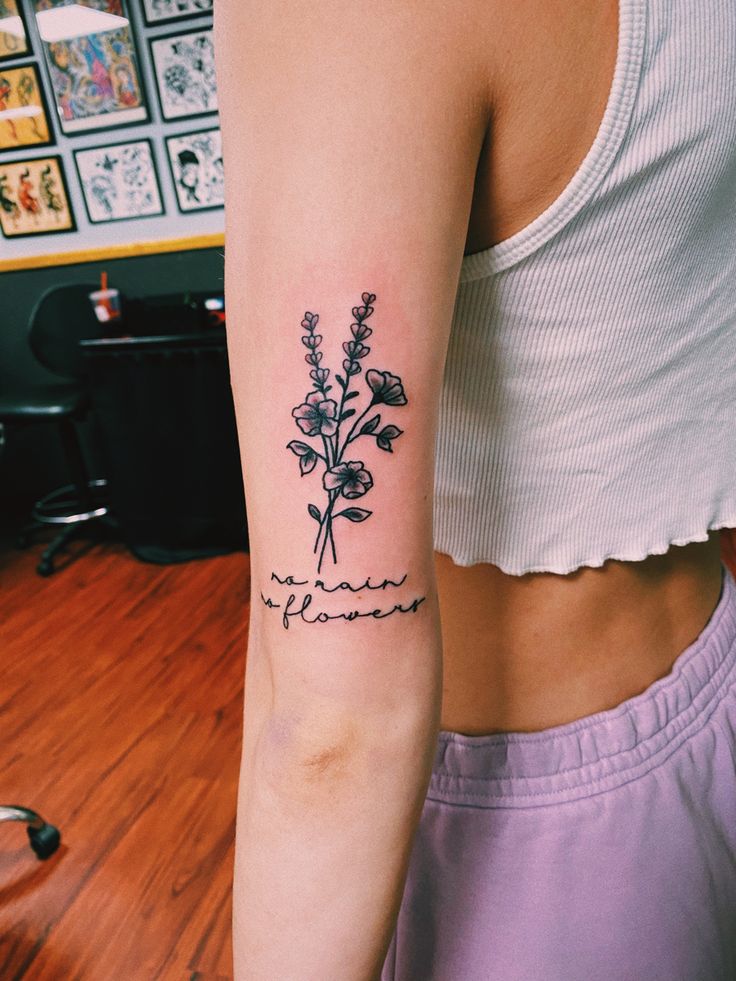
523 653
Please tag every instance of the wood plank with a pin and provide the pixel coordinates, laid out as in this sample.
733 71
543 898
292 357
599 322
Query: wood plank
121 714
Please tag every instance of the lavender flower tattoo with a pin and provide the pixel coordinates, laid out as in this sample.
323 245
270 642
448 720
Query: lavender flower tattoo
324 420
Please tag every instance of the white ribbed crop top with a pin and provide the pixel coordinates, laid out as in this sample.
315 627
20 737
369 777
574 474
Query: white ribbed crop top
588 408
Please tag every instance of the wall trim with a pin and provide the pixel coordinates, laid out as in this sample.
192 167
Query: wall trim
104 252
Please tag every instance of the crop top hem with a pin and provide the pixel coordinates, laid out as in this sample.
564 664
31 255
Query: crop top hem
595 563
592 170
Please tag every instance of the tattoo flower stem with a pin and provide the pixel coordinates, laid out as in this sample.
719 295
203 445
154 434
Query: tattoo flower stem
350 437
324 418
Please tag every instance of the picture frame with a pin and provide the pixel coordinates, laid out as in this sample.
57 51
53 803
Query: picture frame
119 181
21 90
12 43
167 11
195 161
184 68
34 198
96 80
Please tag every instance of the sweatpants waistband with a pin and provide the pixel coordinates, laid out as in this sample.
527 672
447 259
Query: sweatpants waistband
599 752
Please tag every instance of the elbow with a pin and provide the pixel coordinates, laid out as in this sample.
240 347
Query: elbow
305 771
323 764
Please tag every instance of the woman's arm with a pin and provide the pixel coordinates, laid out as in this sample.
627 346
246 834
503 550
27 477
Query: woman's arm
351 135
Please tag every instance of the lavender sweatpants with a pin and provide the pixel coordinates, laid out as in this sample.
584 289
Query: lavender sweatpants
601 850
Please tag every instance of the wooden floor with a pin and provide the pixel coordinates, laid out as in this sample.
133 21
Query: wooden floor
120 720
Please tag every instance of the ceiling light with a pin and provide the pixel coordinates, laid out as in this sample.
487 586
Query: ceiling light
12 25
20 112
74 20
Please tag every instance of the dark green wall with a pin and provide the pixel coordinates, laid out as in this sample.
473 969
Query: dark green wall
31 463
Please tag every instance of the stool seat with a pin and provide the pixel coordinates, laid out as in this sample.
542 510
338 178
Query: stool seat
51 399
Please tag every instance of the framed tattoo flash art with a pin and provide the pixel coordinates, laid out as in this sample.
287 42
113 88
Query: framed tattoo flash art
91 58
13 34
160 11
196 169
119 181
34 199
184 66
21 97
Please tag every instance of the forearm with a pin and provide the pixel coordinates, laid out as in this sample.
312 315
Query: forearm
326 820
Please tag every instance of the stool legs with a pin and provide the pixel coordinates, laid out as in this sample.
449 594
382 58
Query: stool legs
74 508
45 565
75 463
44 837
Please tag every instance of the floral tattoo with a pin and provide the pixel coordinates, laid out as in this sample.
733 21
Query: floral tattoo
325 420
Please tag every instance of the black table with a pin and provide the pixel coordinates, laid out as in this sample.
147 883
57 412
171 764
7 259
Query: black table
166 422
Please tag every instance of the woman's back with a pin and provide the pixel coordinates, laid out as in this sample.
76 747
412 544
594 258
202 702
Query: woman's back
586 398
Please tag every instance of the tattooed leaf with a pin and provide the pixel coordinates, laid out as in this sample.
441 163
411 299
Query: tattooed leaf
307 456
340 380
371 425
314 511
347 413
352 395
354 514
301 449
387 434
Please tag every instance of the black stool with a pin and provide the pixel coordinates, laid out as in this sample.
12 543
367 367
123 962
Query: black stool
62 317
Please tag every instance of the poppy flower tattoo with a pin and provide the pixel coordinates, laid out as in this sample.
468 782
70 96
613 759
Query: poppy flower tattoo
316 417
349 478
323 418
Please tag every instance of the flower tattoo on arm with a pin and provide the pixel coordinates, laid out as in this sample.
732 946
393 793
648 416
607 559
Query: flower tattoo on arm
324 420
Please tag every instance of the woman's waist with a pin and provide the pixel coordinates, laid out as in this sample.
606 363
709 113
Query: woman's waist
524 653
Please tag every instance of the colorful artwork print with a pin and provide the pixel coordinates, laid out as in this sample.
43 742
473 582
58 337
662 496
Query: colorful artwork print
13 35
34 198
119 181
95 76
26 122
323 419
196 166
184 65
158 11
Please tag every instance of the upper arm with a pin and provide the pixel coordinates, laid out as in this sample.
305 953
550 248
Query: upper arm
351 135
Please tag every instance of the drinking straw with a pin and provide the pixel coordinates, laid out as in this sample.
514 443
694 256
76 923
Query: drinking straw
103 280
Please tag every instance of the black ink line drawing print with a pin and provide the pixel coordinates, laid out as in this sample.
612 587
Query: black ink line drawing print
184 66
325 419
